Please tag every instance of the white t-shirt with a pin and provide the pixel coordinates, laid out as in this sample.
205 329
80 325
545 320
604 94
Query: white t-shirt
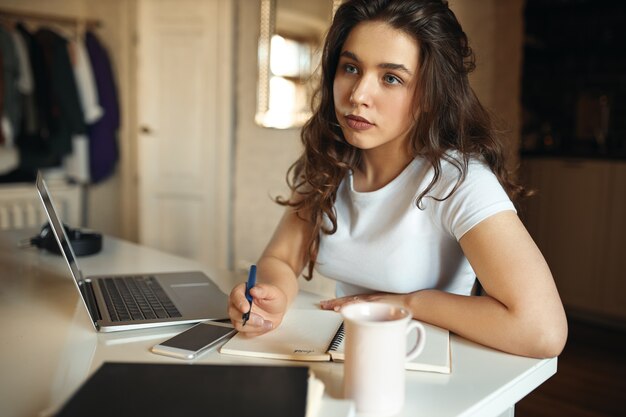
384 242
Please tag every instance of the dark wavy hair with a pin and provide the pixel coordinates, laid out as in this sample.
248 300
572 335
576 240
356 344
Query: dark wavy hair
448 115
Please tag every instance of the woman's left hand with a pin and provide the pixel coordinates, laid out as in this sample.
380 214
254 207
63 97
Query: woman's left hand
337 303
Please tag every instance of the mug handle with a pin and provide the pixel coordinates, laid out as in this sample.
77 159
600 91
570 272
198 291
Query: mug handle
421 339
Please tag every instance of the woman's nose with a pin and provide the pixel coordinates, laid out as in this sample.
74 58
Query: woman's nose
361 92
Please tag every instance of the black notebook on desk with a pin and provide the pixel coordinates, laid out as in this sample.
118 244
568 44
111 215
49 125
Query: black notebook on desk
142 389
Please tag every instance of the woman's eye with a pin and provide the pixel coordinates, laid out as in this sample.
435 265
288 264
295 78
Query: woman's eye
350 69
392 79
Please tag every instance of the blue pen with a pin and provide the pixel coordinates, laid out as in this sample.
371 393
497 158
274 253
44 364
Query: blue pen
251 282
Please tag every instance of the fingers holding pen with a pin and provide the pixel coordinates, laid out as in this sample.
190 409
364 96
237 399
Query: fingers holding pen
239 305
249 285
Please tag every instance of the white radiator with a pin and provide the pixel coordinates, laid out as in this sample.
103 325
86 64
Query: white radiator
21 208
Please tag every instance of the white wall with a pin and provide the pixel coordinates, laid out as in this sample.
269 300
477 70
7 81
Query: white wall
262 155
495 30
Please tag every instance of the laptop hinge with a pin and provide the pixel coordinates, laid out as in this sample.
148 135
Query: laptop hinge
90 299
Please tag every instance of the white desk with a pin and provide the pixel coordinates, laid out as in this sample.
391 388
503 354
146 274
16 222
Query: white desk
48 346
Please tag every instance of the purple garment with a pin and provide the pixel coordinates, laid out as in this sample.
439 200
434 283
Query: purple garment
103 151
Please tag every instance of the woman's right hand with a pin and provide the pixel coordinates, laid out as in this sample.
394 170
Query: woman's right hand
269 304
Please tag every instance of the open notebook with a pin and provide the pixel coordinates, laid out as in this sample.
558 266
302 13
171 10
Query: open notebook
317 335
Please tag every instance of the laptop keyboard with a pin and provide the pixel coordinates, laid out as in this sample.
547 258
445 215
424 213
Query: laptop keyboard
136 298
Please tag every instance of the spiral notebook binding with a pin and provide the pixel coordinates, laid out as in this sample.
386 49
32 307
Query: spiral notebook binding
337 339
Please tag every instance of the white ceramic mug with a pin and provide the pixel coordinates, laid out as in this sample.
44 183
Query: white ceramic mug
376 352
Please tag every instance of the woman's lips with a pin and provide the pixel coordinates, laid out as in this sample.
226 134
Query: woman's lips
358 122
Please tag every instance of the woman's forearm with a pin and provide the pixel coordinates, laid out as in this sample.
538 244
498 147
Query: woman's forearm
272 270
485 320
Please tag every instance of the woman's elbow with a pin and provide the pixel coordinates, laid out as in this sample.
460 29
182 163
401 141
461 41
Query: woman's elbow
550 338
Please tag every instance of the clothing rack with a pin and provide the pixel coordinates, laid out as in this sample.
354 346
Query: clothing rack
77 23
50 18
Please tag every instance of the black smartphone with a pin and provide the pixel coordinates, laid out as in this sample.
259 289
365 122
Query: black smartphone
194 341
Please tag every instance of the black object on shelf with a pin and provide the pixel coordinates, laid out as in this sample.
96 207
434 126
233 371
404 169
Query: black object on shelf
83 242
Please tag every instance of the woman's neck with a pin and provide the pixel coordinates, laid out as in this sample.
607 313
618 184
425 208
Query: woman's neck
379 169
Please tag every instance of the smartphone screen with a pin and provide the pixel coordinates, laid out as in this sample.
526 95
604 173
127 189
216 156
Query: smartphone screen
194 340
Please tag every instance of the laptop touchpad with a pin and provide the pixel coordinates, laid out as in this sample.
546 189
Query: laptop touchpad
195 298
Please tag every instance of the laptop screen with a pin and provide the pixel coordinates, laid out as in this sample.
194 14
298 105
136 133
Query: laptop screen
58 229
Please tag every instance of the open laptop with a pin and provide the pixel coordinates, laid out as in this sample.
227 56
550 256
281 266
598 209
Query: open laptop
127 302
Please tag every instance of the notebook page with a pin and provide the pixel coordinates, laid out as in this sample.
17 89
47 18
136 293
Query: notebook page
304 335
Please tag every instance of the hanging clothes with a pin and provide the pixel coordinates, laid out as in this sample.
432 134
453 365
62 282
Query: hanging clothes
2 76
65 115
25 77
11 99
85 80
77 164
67 112
25 83
103 148
10 104
33 142
53 114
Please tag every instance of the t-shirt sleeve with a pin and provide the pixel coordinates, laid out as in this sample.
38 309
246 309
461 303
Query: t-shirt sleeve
478 197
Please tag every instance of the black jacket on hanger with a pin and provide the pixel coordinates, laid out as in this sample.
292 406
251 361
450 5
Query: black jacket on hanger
64 115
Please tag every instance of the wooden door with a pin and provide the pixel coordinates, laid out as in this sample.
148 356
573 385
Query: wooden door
615 246
185 118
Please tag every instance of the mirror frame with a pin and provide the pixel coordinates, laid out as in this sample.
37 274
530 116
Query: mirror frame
266 30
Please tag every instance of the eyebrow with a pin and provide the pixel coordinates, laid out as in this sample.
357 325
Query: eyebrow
387 65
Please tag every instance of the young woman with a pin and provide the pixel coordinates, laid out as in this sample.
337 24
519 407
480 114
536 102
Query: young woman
402 194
